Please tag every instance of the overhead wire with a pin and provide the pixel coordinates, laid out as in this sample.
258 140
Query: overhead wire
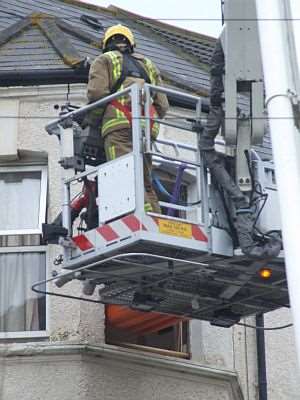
274 328
143 117
153 19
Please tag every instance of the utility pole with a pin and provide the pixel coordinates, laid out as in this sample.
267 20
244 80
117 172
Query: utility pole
281 77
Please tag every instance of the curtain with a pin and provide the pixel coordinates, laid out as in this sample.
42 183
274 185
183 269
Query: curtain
20 200
21 309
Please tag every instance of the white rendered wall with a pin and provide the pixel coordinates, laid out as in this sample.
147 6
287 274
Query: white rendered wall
76 372
9 109
72 322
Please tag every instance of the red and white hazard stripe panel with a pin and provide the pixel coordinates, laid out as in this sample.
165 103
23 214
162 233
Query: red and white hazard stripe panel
128 225
109 233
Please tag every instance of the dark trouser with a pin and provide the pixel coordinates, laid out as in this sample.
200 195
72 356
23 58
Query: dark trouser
214 121
119 143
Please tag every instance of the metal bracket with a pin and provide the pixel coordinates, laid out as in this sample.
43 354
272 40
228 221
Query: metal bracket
66 122
295 100
243 178
196 125
54 129
67 243
75 162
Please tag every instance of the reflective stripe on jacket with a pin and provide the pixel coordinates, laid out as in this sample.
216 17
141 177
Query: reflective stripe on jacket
105 71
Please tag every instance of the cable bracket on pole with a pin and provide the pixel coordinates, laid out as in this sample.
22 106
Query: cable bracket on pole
295 101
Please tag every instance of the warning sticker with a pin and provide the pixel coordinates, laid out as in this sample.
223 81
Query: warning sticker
175 228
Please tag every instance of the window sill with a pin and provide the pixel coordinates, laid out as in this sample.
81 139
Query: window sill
153 350
24 335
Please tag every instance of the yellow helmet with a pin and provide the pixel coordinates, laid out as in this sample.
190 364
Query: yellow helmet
118 30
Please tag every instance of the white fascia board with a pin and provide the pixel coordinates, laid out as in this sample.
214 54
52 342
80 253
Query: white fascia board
57 92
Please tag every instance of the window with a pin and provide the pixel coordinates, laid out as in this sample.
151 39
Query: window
21 309
149 331
23 193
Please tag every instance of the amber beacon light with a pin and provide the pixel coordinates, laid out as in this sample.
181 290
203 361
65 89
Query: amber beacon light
265 273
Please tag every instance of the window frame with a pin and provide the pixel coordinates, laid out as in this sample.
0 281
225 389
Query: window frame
29 334
43 198
150 348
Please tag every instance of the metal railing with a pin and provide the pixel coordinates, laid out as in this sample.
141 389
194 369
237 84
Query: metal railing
197 163
141 144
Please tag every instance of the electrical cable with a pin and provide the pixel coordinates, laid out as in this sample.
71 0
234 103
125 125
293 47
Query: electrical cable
189 204
275 328
222 12
150 20
254 201
264 198
81 227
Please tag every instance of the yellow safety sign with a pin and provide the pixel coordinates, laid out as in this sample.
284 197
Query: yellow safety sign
175 228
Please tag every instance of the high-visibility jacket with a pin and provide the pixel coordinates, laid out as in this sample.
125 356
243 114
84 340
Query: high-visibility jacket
105 72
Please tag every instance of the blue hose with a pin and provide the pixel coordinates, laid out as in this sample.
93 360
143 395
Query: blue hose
159 185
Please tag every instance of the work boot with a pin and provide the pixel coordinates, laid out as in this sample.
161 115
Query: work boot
244 223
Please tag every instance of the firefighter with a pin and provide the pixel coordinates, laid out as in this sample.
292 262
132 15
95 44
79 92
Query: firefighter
117 68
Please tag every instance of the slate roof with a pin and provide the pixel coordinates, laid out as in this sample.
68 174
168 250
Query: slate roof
198 46
53 41
180 55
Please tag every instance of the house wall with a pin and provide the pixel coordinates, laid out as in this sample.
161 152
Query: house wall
101 372
282 365
63 366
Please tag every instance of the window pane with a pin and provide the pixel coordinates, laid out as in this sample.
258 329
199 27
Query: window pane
20 200
21 309
132 327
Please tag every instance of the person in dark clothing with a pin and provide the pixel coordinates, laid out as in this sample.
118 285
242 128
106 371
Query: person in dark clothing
244 218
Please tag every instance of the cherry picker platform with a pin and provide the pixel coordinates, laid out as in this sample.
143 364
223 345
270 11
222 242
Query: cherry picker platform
181 262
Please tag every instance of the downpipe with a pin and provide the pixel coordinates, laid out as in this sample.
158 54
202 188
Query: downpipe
261 359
